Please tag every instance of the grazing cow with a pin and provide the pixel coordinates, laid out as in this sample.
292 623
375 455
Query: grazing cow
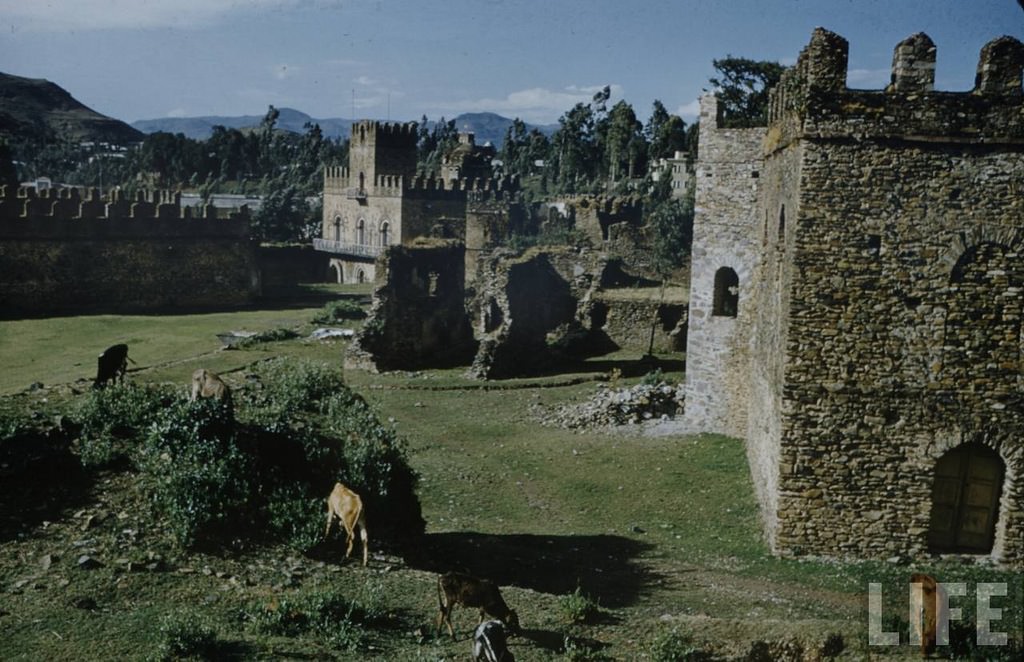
111 365
207 384
924 608
346 505
456 588
489 643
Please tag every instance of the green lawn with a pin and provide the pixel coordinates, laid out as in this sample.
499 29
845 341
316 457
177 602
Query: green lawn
663 532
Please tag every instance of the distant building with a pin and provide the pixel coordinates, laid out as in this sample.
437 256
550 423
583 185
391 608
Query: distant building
379 201
679 168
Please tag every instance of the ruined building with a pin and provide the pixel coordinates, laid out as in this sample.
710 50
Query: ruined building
378 201
856 305
66 251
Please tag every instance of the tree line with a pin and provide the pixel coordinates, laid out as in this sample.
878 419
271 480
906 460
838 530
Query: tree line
595 149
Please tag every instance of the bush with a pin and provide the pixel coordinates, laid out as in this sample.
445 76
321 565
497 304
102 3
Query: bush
273 335
114 420
653 378
673 646
187 635
291 387
341 621
577 607
338 311
197 474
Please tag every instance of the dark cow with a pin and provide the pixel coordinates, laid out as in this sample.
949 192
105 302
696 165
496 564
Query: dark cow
456 588
489 643
111 365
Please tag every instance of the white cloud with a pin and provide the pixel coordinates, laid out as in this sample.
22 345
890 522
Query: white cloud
535 105
689 111
177 112
68 15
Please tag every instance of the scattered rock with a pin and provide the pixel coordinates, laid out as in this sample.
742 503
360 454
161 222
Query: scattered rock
86 562
45 561
609 407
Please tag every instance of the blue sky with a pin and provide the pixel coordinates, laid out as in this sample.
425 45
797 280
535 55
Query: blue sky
400 59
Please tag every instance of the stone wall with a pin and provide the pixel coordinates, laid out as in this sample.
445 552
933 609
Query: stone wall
726 237
72 253
418 317
628 323
891 301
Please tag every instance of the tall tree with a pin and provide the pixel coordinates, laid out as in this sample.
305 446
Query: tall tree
742 89
666 133
621 147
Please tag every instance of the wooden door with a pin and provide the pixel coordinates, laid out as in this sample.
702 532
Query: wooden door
965 499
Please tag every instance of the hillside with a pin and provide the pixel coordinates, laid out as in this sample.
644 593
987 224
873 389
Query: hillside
41 110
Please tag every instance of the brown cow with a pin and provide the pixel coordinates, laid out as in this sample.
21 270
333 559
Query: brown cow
457 588
208 384
924 609
346 505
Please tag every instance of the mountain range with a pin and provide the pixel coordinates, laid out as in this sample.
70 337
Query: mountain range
487 127
41 111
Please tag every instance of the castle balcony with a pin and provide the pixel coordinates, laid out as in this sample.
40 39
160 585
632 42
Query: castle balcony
355 193
345 248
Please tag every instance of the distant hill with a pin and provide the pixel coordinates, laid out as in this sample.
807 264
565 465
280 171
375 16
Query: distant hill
201 128
488 127
38 109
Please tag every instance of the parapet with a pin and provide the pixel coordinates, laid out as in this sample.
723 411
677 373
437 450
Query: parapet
387 134
812 100
73 212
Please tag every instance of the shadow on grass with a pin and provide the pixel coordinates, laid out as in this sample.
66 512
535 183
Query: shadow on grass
41 479
604 567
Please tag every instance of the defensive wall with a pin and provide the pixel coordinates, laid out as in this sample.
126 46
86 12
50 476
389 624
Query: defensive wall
65 251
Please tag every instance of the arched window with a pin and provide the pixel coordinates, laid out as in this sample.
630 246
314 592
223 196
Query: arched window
337 228
727 293
965 499
360 276
384 233
361 232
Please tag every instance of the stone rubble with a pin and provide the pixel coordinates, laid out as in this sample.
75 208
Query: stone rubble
616 406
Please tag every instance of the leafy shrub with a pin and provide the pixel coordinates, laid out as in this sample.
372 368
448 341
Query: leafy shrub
187 635
338 311
198 476
653 378
673 646
289 387
577 607
115 418
339 620
295 513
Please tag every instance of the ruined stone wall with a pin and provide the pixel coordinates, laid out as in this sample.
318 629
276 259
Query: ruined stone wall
529 307
726 235
63 254
418 317
629 323
894 297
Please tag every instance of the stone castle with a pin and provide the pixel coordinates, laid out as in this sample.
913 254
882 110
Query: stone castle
856 303
378 201
68 250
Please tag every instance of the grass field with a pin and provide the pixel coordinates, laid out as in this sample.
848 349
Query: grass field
661 533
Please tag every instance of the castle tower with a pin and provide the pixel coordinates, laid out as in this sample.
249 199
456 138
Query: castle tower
887 348
381 148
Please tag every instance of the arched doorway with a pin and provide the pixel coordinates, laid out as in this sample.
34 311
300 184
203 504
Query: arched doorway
360 276
965 500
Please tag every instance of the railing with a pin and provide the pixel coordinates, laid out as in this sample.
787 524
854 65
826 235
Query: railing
344 248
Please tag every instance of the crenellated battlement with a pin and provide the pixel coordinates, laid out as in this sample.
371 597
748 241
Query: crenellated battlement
339 180
385 134
812 99
24 212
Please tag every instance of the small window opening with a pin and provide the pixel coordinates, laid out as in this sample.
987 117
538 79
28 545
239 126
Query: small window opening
727 293
432 284
782 226
875 244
